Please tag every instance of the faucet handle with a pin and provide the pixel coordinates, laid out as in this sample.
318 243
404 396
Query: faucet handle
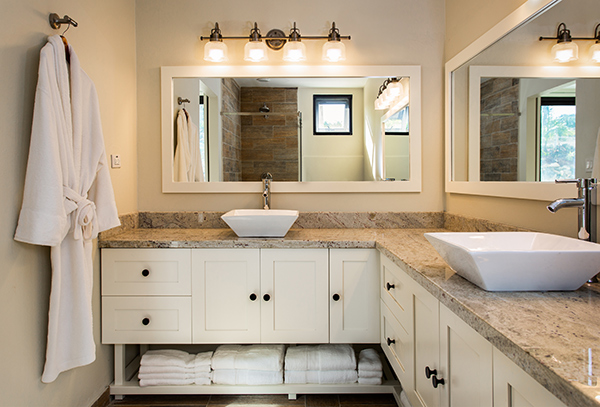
579 181
266 175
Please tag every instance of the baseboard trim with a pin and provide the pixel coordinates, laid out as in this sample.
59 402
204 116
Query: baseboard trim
103 400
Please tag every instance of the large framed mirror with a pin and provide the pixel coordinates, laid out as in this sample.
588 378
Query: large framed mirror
501 95
315 129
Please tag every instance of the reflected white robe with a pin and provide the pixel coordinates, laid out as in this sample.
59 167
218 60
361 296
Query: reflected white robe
68 199
187 163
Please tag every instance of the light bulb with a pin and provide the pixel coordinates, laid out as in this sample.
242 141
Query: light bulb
255 51
294 51
334 51
595 52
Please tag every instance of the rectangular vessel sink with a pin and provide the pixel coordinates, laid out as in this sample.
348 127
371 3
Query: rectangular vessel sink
519 261
260 222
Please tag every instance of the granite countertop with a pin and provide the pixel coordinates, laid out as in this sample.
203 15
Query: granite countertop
553 336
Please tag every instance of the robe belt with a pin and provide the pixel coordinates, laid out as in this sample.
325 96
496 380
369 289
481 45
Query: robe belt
85 223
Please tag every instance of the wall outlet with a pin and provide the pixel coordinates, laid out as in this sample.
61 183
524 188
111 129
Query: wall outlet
115 161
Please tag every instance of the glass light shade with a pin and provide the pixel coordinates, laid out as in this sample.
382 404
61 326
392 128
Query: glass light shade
294 51
255 51
215 51
595 52
396 89
379 104
334 51
565 52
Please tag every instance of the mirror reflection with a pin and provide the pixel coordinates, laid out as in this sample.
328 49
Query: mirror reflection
519 116
298 129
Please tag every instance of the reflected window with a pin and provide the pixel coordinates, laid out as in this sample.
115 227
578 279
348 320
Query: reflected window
332 114
557 138
397 124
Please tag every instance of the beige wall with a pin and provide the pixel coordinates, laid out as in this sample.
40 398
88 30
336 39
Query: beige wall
105 44
519 49
408 33
467 20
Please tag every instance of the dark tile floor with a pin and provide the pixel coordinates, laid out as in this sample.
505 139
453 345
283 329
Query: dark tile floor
308 400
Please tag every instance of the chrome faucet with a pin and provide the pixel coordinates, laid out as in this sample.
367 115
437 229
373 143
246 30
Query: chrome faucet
586 225
267 178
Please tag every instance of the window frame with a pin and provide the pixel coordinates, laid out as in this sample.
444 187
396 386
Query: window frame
317 98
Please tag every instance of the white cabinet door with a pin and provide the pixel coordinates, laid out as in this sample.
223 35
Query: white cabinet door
515 388
465 363
353 296
294 295
226 295
427 349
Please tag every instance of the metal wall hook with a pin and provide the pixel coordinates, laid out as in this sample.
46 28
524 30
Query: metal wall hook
56 22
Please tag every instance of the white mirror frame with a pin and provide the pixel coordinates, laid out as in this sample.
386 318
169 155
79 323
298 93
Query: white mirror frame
384 71
512 189
478 72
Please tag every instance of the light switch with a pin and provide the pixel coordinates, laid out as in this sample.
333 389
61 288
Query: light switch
115 161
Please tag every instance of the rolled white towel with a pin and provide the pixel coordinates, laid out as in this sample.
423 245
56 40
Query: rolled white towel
368 361
174 376
249 357
246 377
320 376
320 357
369 380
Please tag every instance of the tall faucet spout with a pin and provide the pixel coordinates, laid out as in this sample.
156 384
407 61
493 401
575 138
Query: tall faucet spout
565 203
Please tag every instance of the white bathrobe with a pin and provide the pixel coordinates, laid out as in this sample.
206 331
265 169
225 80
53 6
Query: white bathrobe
187 163
68 199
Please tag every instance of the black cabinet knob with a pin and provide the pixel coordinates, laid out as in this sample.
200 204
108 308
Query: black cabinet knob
336 297
266 297
390 341
436 382
429 372
145 272
389 286
252 297
146 321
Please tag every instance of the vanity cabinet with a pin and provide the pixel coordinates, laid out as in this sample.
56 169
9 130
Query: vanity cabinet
439 359
215 296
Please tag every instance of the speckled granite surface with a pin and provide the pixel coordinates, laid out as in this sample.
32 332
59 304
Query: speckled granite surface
555 336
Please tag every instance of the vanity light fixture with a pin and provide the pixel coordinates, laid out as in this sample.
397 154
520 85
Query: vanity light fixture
566 50
255 50
215 49
390 91
294 49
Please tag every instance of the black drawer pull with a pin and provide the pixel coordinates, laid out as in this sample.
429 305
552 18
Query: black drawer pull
336 297
436 382
145 272
266 297
429 372
390 341
389 286
146 321
252 297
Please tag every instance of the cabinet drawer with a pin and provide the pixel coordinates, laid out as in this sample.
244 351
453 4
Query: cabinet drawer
398 346
396 291
146 320
146 272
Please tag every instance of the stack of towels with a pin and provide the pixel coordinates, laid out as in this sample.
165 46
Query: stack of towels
174 367
248 364
320 364
369 367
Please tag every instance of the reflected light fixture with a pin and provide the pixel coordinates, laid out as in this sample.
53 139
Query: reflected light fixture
255 50
390 91
334 50
566 50
215 49
595 49
294 49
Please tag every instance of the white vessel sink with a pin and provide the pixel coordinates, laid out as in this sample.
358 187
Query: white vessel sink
260 222
519 261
